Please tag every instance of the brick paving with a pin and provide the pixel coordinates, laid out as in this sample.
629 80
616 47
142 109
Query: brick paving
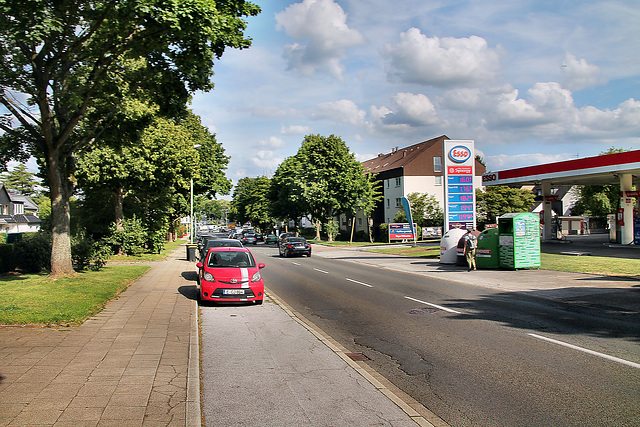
127 366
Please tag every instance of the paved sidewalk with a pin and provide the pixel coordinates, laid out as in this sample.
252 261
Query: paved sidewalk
127 366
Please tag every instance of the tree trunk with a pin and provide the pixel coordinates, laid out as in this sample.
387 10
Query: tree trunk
60 189
118 195
318 229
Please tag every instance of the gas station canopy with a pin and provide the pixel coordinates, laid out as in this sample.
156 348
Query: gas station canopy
618 168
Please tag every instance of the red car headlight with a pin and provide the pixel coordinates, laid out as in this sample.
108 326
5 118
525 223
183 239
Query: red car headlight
256 277
209 277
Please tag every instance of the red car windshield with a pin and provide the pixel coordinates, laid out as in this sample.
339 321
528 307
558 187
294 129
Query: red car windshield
230 260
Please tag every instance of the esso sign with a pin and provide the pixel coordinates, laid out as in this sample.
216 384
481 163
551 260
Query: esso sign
489 177
459 154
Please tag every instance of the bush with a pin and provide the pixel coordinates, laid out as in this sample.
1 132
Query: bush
157 240
8 258
34 252
87 253
130 239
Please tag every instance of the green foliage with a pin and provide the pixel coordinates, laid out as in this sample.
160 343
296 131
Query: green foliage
20 179
324 180
498 200
130 239
597 200
425 210
89 254
8 256
33 252
250 201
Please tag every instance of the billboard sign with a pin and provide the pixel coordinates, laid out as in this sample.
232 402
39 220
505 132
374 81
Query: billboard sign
400 231
460 195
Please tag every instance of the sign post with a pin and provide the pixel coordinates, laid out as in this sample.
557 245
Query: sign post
459 193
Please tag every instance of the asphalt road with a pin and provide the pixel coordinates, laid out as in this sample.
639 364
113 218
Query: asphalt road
473 356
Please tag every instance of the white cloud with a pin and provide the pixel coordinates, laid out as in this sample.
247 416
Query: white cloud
408 109
295 130
441 61
503 161
578 74
266 160
322 24
342 111
272 142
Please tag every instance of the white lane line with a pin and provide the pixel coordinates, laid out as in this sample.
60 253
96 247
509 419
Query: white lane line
295 263
594 353
359 283
434 305
321 271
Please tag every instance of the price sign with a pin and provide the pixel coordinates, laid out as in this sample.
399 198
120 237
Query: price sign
459 170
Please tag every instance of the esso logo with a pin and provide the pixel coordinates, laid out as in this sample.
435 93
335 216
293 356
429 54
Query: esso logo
459 154
489 177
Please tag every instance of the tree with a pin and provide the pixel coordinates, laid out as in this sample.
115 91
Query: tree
20 179
323 179
66 59
250 201
498 200
425 210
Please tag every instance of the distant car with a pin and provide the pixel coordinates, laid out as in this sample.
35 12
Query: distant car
259 237
249 239
284 236
219 243
230 274
294 246
271 238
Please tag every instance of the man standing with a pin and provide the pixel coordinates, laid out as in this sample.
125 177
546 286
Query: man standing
470 245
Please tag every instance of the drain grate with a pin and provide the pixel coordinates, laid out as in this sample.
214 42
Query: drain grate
357 357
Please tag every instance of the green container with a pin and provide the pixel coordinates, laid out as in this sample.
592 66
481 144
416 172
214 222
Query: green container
488 252
519 235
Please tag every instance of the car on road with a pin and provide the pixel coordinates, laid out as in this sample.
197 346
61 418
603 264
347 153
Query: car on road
249 239
219 243
271 238
284 236
294 246
230 274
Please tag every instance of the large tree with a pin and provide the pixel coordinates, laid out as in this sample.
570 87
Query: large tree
323 180
19 178
61 59
250 201
498 200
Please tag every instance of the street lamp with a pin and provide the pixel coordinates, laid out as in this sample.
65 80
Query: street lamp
191 219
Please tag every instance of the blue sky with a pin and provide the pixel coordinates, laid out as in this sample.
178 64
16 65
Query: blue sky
530 81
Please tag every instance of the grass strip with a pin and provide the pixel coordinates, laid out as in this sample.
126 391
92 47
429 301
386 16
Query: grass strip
38 299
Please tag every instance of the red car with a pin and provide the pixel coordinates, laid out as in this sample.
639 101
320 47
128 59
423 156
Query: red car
230 274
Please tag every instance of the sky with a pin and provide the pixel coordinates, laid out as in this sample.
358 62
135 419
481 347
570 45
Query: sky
530 81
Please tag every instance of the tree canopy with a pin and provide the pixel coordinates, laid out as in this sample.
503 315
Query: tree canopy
251 203
19 178
64 61
498 200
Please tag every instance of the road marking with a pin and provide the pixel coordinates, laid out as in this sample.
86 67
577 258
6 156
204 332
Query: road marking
434 305
295 263
321 271
585 350
359 283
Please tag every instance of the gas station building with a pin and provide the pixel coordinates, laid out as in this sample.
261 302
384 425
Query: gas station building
619 168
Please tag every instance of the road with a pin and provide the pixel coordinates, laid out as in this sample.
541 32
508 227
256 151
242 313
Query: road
473 356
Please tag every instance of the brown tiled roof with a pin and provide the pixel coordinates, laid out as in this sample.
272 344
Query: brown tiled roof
400 157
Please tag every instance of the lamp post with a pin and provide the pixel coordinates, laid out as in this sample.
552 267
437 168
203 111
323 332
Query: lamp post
191 219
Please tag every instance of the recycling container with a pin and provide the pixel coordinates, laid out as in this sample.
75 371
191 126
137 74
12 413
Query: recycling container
519 235
449 245
488 252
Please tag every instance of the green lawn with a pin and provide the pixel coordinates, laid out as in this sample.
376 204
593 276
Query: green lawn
38 299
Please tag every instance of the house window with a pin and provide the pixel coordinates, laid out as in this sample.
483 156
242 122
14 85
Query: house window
388 183
18 209
359 222
4 210
398 182
398 203
437 164
438 180
388 203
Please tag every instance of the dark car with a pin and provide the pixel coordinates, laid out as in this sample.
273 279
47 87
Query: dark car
249 239
219 243
294 246
259 237
271 238
284 236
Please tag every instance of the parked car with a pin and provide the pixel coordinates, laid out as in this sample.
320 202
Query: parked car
294 246
284 236
271 238
219 243
230 274
259 237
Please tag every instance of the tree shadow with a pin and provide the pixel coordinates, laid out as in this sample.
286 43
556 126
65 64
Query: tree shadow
598 312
